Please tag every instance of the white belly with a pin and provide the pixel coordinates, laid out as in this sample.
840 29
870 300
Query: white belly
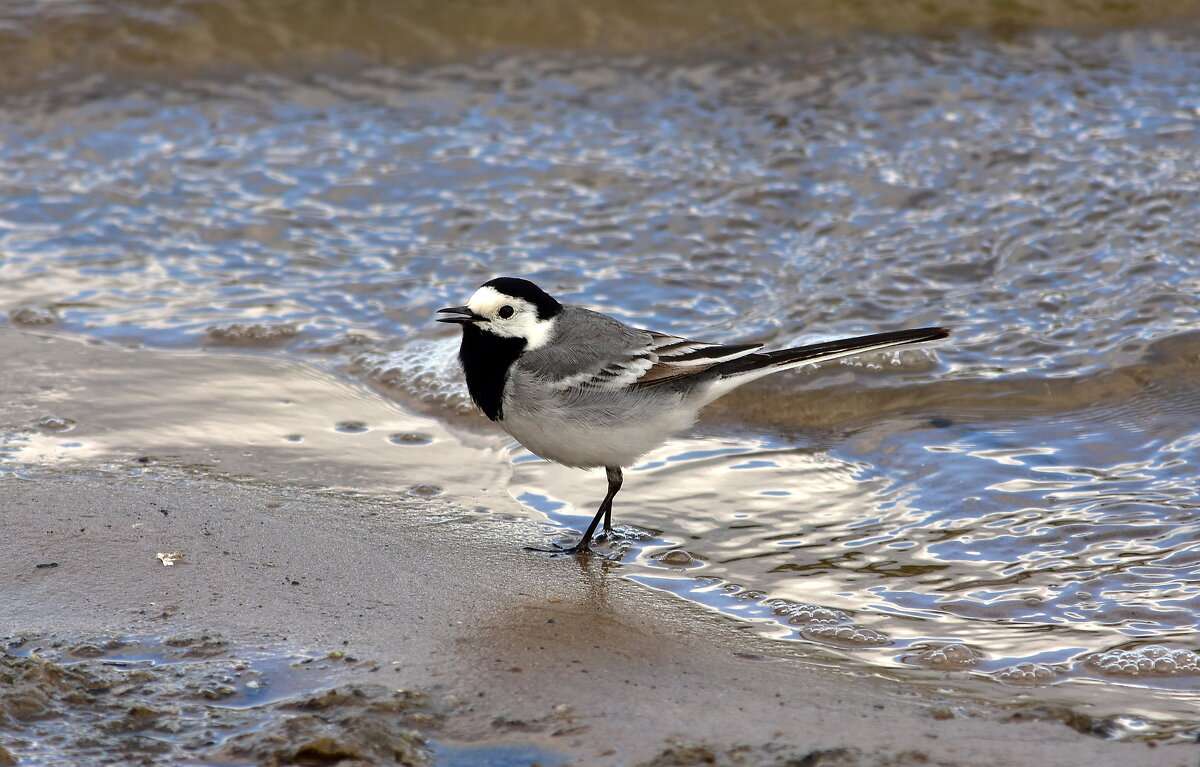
594 431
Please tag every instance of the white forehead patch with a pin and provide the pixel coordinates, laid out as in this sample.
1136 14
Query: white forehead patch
523 323
487 301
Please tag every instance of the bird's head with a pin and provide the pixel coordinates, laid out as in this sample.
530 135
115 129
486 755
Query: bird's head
508 307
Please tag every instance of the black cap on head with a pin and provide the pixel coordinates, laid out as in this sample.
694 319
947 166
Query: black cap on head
516 287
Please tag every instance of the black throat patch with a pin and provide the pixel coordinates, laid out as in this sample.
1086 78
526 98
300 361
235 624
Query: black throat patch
486 359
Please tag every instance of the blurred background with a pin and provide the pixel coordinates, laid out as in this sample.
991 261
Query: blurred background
312 179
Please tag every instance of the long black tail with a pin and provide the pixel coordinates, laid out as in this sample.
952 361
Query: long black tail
829 350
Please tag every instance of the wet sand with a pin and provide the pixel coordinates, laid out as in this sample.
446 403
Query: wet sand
343 553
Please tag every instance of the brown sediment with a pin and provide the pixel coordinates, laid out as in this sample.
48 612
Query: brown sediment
146 38
250 335
403 592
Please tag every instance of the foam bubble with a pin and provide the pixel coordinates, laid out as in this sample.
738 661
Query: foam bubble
804 613
250 334
32 316
425 490
53 423
426 371
410 438
952 655
1027 673
676 558
855 636
1150 660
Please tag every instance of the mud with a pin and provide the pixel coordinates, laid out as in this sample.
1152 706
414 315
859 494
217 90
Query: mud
189 699
694 755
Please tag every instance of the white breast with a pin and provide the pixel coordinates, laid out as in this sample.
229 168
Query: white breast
592 429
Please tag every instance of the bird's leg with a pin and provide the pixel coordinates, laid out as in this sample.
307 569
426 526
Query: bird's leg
614 486
604 512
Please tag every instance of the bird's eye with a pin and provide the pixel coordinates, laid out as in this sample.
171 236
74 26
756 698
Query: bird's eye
505 312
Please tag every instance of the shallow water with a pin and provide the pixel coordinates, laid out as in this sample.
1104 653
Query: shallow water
1018 502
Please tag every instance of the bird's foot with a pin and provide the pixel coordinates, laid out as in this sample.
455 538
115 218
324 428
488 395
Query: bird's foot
562 551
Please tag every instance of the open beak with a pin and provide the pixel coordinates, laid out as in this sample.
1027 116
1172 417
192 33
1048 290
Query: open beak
464 315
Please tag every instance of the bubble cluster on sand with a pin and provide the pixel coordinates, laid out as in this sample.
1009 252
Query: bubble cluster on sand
425 490
948 656
410 438
804 613
1027 673
675 558
32 316
250 334
847 635
426 371
53 423
1150 660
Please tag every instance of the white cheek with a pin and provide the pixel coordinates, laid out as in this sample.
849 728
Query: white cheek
537 333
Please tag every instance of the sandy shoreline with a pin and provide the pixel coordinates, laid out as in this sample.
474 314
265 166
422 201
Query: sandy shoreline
422 588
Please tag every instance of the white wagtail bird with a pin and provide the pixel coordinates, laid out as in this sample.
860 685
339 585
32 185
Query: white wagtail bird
585 390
